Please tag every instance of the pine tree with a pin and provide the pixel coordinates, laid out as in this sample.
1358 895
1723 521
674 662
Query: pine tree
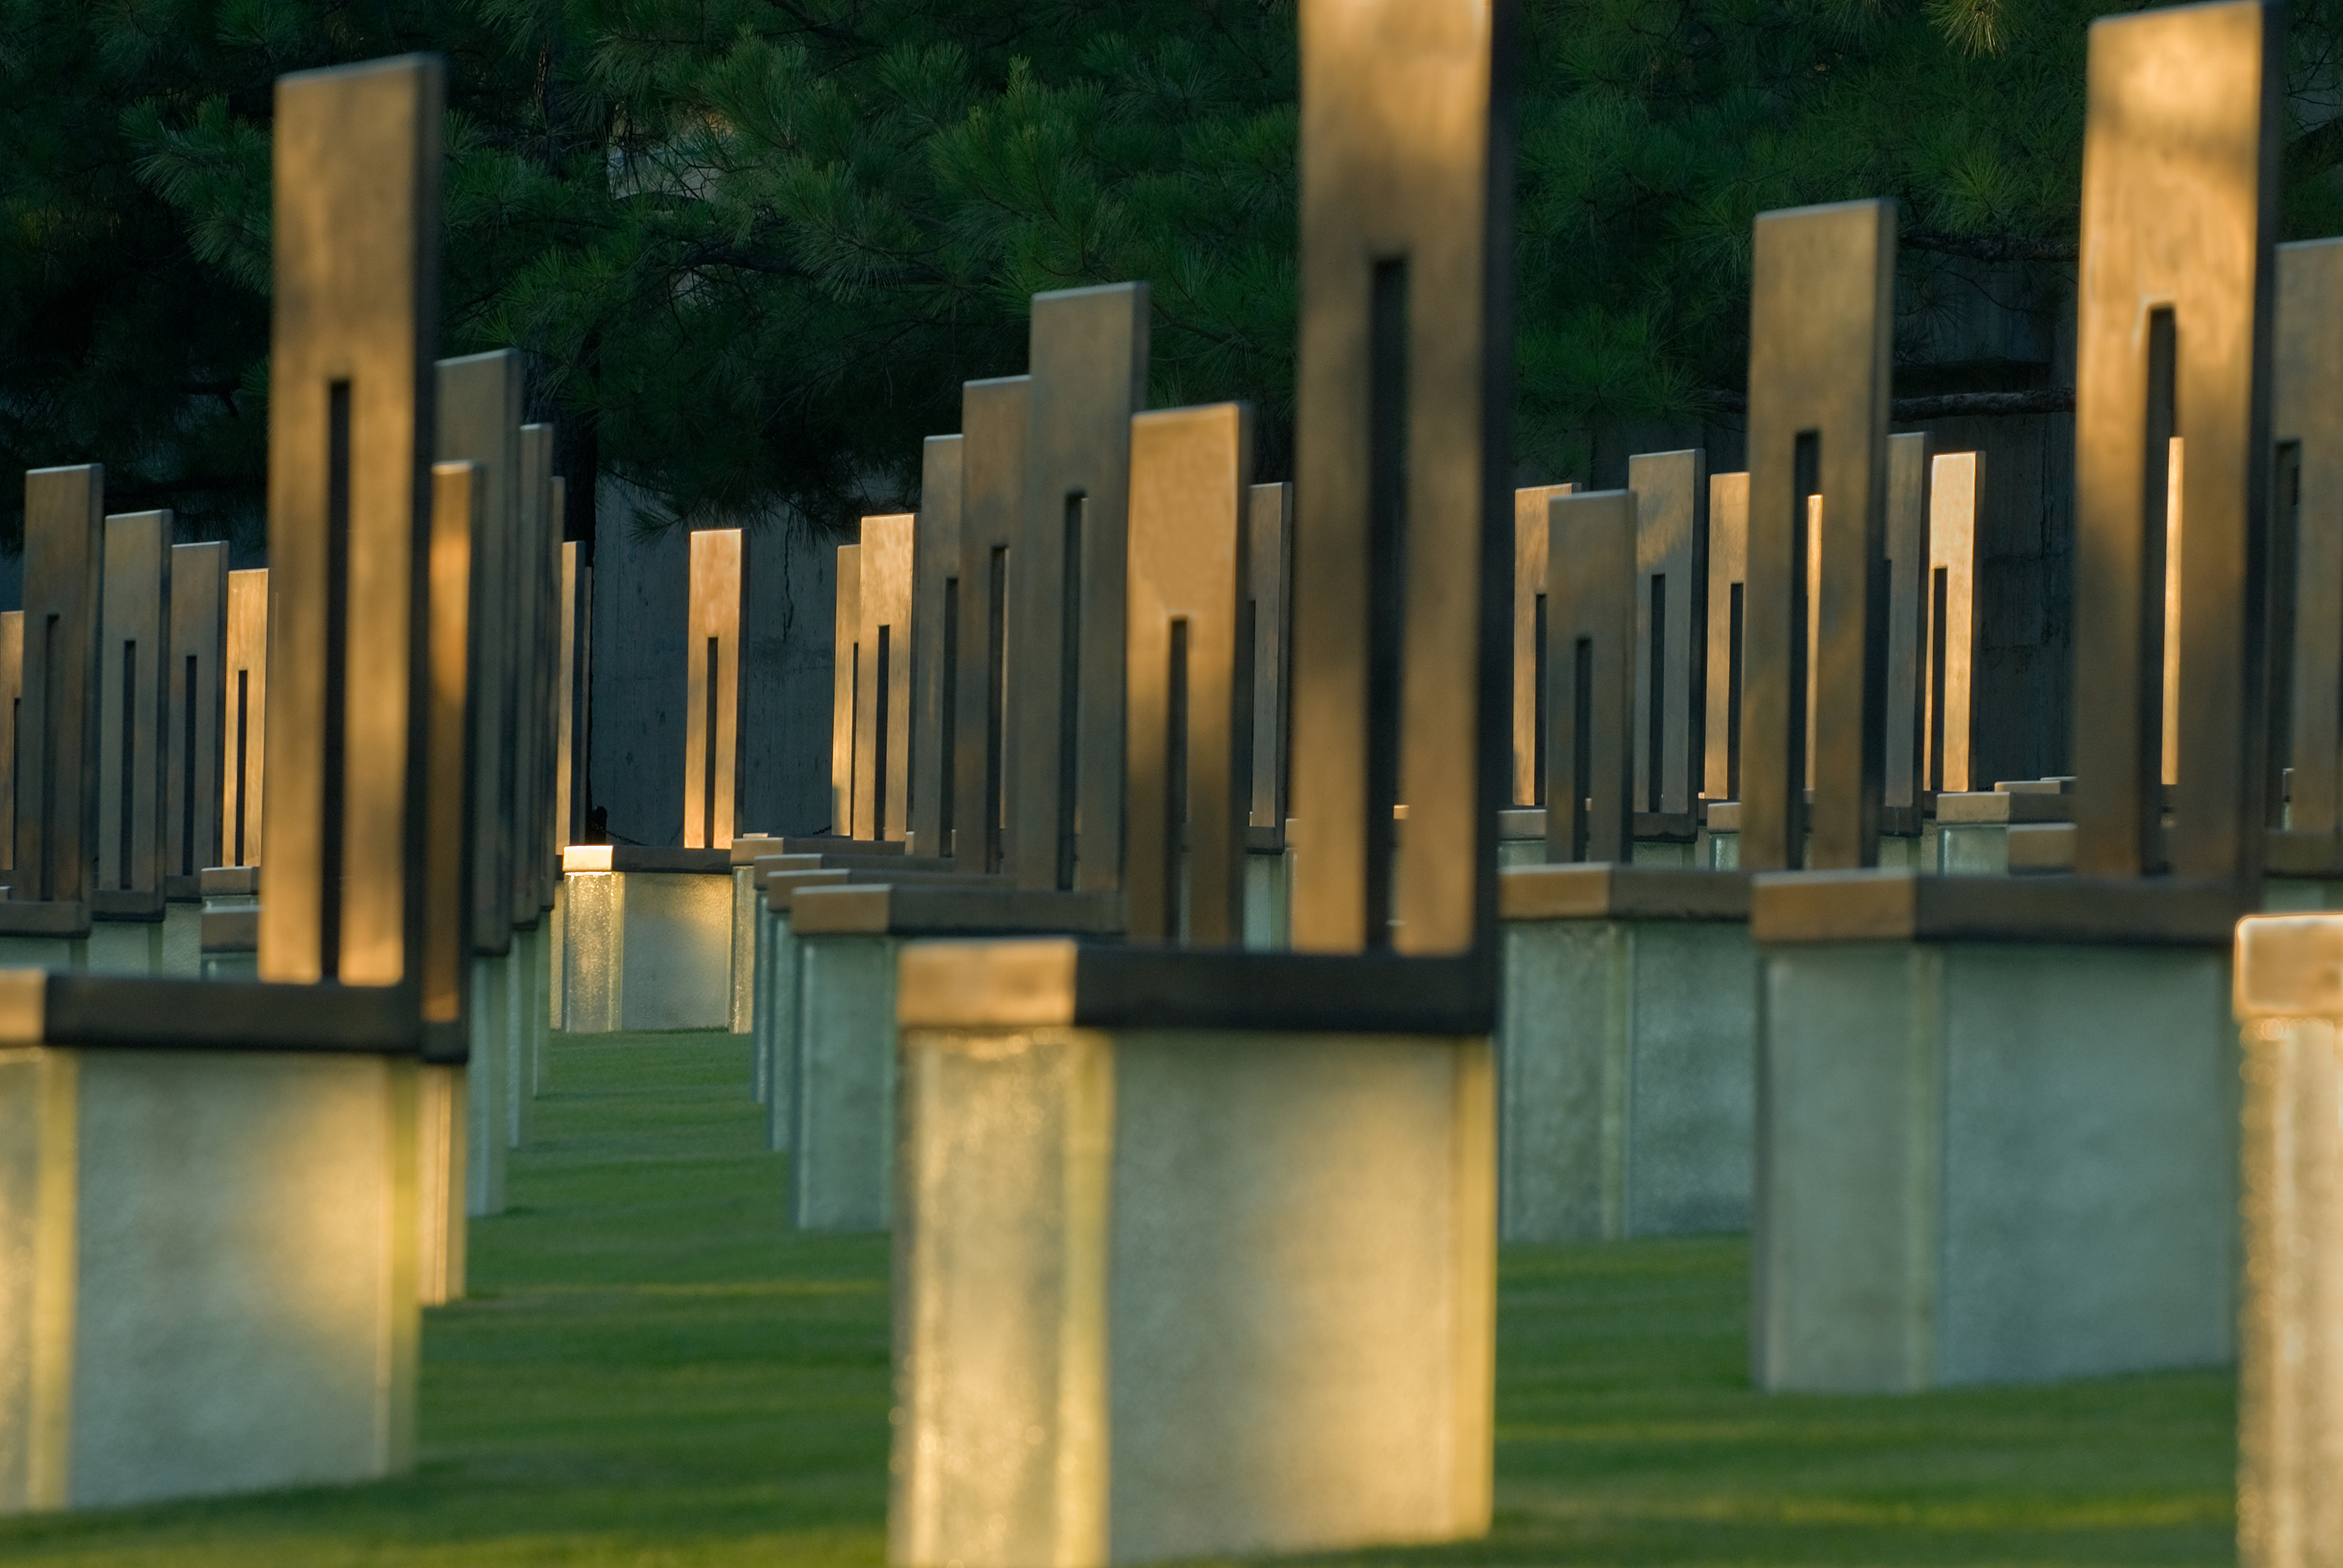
753 246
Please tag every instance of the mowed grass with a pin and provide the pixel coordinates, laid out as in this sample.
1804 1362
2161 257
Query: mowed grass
654 1370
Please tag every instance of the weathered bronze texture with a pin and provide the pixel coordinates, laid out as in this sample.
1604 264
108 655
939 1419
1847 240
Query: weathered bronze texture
845 686
1191 695
577 684
1119 985
1403 474
354 298
1607 891
1907 552
2306 530
713 646
1269 581
191 794
478 421
992 516
1728 576
1954 624
1591 596
1670 491
882 701
1088 367
2180 151
2174 497
12 694
939 600
1529 671
56 729
450 822
1821 337
134 712
246 748
1876 906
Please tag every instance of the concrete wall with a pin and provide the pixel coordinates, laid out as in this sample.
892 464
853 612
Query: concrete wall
638 676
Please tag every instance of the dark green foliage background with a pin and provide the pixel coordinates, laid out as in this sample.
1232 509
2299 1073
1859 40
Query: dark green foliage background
752 247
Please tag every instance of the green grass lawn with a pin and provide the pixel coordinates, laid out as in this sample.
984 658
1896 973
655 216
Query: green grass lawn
653 1370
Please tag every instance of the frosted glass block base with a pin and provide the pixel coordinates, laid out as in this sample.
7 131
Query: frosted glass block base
1628 1067
485 1085
646 951
125 947
747 900
441 1134
62 955
841 1143
2290 1364
775 1031
1266 905
183 936
1988 1163
207 1272
1172 1294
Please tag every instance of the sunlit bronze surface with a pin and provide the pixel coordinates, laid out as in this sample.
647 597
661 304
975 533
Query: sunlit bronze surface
57 727
1269 580
1190 700
1529 639
992 518
845 686
1403 474
1671 491
1822 332
449 820
1907 575
939 600
1590 606
712 650
1953 623
576 682
192 768
479 420
354 298
1089 376
1728 576
12 692
133 686
2307 529
882 701
2179 214
246 748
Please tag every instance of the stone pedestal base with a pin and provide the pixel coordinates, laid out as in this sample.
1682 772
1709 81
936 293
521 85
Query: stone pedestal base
207 1272
1627 1053
1986 1154
1186 1291
647 948
744 900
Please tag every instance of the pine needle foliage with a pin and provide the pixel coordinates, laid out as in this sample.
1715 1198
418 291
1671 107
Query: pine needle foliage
753 246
